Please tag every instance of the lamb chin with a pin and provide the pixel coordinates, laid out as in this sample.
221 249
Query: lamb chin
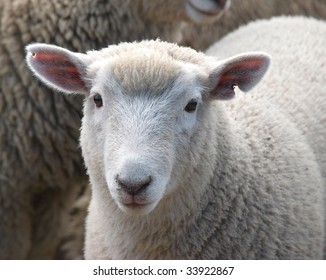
136 209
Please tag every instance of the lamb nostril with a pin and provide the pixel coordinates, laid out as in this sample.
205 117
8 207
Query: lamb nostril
133 187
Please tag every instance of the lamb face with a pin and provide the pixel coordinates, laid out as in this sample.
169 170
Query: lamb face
144 103
142 123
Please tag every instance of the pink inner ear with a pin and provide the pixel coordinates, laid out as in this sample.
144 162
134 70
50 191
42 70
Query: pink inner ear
253 64
241 71
59 70
46 57
241 74
244 70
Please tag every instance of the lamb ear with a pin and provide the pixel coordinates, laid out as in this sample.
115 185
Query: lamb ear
244 71
57 67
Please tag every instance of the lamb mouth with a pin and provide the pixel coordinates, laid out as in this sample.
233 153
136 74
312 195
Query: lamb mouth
210 13
135 205
136 209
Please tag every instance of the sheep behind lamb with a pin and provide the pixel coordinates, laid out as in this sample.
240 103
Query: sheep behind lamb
243 11
181 167
41 170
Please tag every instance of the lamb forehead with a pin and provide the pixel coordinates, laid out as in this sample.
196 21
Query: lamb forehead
145 71
150 66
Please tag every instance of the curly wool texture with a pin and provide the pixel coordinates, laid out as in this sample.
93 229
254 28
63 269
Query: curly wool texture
254 184
41 170
243 11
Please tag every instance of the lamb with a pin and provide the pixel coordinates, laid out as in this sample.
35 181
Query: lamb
182 164
41 170
243 11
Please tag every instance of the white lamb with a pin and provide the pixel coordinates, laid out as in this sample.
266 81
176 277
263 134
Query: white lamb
177 173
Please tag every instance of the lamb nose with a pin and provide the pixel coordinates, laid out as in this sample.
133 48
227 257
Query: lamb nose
133 186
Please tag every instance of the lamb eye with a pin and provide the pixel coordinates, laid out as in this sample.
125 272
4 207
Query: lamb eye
191 106
98 100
